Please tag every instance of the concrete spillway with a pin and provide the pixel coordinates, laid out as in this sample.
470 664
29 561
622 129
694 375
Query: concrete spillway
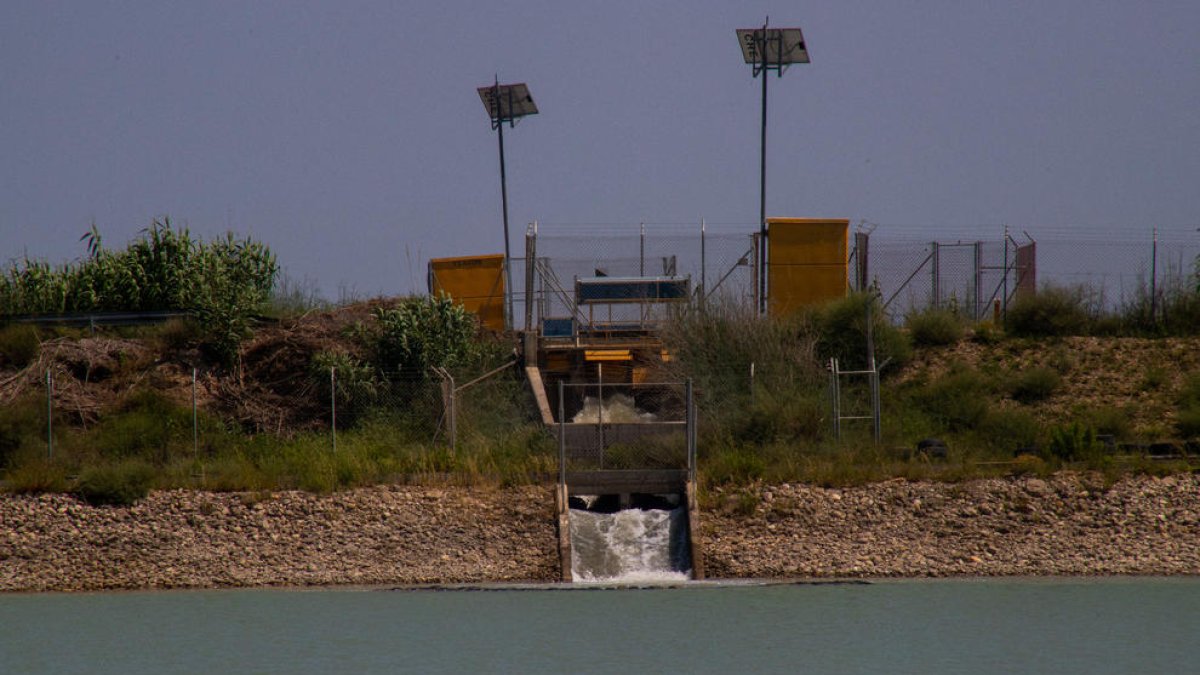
630 545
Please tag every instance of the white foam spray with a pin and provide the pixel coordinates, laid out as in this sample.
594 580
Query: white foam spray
629 546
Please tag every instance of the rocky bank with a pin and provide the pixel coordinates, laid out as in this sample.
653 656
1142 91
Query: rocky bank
1065 525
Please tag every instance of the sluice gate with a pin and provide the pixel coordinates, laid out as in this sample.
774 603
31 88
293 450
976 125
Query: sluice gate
626 489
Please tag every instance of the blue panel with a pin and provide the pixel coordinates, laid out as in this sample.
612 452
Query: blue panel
631 289
558 327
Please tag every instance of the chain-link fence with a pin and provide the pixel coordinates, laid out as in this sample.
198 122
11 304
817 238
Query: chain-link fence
719 264
974 276
606 427
978 278
199 411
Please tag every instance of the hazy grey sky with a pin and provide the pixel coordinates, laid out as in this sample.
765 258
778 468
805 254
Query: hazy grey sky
349 137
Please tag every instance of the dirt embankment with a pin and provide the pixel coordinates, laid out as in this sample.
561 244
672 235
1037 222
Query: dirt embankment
1068 524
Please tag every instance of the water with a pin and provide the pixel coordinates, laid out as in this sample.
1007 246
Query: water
633 545
977 627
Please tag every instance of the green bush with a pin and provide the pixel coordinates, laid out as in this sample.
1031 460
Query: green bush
357 387
958 400
19 345
934 327
224 282
732 465
22 423
36 476
146 425
1009 430
1036 384
841 330
424 333
119 484
1052 312
1109 420
1074 442
1187 422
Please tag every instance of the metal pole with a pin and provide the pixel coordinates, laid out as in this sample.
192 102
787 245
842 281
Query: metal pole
691 433
504 201
333 404
762 184
600 409
1154 278
49 415
703 265
1005 313
562 436
937 301
195 421
642 251
530 262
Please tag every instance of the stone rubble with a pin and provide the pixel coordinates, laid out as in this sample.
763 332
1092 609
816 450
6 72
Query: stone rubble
1069 524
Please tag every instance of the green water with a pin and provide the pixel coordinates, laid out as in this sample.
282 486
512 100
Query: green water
1009 626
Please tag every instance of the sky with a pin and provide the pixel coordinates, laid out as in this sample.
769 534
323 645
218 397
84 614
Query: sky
350 138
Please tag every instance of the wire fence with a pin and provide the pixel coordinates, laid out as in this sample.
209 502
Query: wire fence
979 277
976 276
606 427
440 410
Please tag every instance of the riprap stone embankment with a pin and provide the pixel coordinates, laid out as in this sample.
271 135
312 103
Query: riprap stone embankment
1068 524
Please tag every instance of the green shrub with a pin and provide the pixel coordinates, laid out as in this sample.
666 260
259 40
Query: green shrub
145 425
1074 442
958 400
22 422
224 282
1109 420
1187 422
423 333
934 327
1009 429
120 484
1189 393
19 345
778 416
986 333
356 385
1036 384
841 330
1153 378
1053 311
730 464
36 476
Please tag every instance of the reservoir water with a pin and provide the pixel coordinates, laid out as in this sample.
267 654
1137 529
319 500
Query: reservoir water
989 626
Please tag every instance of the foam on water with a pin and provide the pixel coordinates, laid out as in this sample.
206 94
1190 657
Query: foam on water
629 546
615 409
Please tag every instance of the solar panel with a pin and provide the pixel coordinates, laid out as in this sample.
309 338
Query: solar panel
783 46
507 101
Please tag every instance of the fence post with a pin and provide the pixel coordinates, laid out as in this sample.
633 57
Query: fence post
333 404
703 264
195 421
562 437
642 251
937 299
691 433
49 415
600 408
1005 279
1154 278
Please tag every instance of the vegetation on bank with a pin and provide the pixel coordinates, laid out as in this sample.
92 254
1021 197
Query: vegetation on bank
223 282
995 396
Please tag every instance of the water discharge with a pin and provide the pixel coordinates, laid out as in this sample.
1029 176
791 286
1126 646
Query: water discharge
632 545
615 409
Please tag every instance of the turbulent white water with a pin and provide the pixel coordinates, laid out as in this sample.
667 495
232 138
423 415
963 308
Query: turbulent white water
632 545
616 409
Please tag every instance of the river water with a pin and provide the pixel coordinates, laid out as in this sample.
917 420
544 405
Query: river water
989 626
